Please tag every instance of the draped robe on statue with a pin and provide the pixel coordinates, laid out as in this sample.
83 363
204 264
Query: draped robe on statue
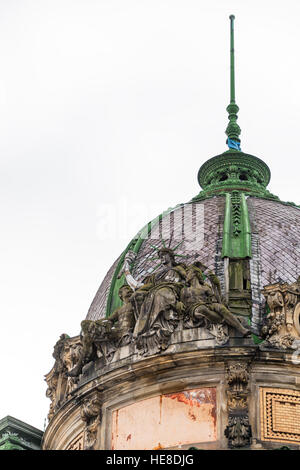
160 294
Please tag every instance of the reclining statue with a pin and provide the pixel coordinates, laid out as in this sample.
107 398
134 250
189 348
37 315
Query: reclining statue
202 303
103 337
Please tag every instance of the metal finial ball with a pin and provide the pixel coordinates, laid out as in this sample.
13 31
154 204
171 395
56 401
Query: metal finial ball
231 17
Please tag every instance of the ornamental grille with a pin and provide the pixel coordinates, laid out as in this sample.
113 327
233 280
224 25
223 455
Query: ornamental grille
280 415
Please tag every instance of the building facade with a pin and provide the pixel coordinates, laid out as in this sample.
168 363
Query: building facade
193 337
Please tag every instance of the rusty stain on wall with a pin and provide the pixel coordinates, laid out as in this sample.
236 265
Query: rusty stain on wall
194 397
160 408
115 438
168 420
158 447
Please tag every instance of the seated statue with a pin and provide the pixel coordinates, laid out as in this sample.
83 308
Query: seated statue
123 319
106 335
202 302
157 302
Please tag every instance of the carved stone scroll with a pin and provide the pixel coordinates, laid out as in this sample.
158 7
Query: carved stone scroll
90 413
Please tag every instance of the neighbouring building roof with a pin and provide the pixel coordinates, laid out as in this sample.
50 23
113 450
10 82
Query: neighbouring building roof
17 435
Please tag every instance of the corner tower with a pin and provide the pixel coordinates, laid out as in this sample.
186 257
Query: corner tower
191 340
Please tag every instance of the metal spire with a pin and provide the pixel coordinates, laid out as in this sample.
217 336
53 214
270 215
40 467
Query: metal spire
232 78
233 129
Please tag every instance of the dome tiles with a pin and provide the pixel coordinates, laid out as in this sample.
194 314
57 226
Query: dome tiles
195 228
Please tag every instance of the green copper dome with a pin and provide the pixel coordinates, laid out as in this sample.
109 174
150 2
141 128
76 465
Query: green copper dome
224 219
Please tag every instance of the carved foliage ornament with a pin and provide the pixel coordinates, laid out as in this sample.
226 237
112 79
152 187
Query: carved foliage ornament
238 430
90 413
237 377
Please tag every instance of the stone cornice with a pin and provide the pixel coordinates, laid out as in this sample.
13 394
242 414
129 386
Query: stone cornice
164 372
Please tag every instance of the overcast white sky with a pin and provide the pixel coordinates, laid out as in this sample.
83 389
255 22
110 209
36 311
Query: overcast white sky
111 106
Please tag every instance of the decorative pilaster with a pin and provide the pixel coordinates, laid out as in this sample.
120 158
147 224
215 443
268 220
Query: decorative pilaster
238 430
91 415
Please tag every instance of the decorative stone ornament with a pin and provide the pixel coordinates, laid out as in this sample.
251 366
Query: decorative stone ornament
91 415
281 324
238 430
237 376
66 353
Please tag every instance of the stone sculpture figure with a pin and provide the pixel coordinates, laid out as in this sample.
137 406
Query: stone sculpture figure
202 305
152 309
103 337
66 353
51 393
157 303
174 292
58 352
122 321
281 324
92 333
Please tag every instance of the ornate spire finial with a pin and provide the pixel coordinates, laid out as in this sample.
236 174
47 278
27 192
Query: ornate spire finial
233 170
233 129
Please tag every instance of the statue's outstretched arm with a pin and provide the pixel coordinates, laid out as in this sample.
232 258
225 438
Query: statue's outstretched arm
133 283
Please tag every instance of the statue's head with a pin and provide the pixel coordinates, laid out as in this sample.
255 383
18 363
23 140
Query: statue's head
125 292
166 256
194 272
88 327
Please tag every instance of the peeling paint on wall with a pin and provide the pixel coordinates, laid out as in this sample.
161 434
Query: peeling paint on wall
194 397
164 421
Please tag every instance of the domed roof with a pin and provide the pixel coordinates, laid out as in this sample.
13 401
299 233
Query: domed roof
233 218
195 231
